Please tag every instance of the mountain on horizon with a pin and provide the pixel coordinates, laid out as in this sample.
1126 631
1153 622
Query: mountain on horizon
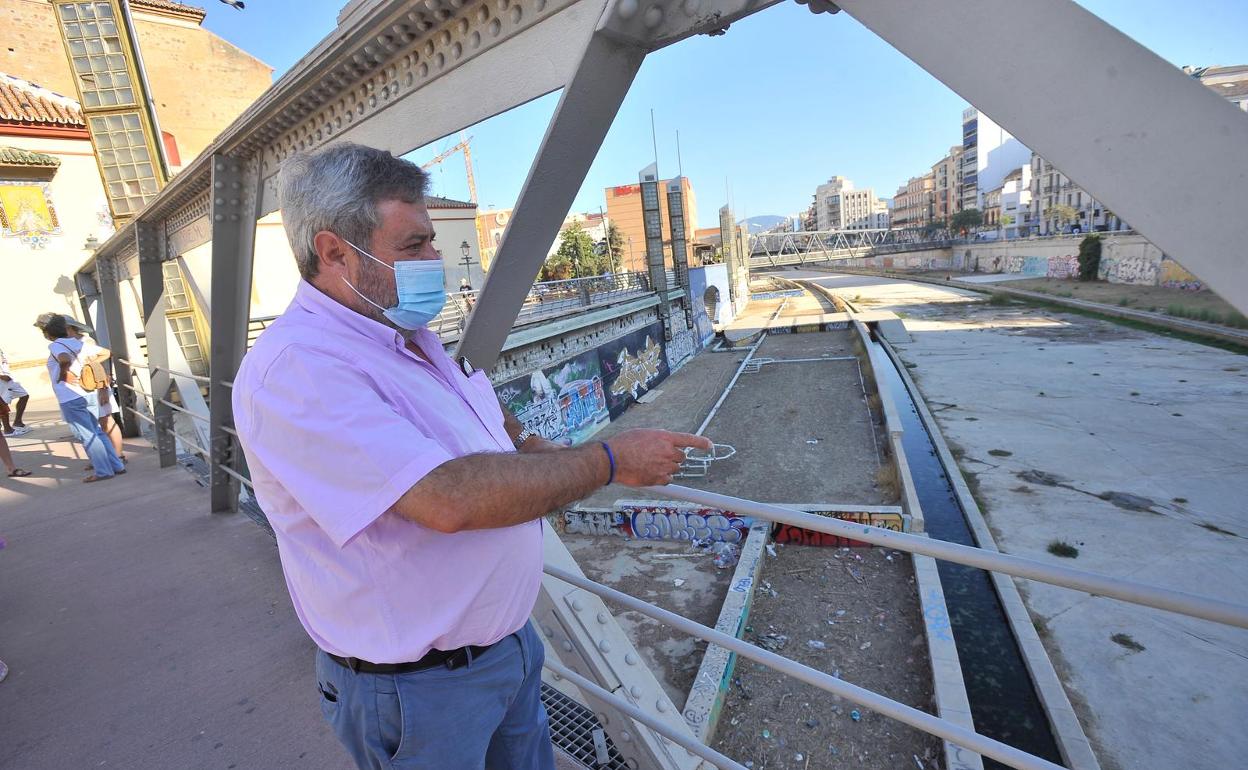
762 222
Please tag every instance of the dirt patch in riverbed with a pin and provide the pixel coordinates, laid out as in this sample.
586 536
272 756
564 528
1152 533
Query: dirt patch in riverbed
852 613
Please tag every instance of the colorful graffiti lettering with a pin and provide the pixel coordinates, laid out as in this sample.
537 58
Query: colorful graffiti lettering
1175 276
637 371
564 403
786 533
658 523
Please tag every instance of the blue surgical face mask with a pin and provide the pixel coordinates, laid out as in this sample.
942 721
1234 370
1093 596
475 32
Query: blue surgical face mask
421 288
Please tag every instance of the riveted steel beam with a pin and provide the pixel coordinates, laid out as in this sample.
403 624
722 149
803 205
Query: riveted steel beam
233 207
150 241
108 276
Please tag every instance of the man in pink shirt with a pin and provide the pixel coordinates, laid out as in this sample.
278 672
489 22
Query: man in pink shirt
410 538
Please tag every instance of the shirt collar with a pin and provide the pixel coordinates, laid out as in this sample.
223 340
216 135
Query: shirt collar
318 303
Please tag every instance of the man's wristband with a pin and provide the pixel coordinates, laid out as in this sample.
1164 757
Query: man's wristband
611 460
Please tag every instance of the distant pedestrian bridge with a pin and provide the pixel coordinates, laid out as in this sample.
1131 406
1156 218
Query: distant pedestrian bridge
800 248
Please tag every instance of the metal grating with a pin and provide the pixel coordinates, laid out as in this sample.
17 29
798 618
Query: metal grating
572 729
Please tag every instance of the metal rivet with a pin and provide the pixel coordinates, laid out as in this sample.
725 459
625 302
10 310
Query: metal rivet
220 201
634 691
548 631
233 217
653 17
604 646
516 14
567 646
627 9
218 218
626 736
602 618
218 184
578 605
661 705
692 7
557 677
630 659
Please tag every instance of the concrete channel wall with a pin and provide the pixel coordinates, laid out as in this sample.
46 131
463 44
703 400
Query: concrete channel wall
1072 741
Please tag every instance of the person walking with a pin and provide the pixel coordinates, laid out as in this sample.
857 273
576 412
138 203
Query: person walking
64 366
412 543
103 404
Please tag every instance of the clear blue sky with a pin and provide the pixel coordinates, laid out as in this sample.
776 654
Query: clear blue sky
852 105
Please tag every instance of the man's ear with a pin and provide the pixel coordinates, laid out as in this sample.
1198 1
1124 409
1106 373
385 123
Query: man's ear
331 252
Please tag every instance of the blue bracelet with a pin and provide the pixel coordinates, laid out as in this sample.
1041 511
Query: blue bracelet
610 459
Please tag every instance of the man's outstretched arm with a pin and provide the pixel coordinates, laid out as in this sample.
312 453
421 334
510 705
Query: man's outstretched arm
489 490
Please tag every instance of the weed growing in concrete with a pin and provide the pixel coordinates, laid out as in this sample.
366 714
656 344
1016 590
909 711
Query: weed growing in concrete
999 300
1023 489
1063 549
1232 318
1124 301
1135 392
1179 500
911 365
887 480
1125 640
1000 452
876 408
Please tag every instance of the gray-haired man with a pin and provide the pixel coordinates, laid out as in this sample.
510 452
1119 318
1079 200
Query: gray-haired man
411 543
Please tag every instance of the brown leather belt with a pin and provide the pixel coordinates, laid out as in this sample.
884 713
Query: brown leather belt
451 659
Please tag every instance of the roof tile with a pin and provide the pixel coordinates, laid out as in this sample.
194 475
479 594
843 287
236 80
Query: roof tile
25 103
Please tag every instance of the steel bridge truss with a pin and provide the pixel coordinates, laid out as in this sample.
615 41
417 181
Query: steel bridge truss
1165 153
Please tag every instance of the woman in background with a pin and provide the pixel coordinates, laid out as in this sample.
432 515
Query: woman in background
64 365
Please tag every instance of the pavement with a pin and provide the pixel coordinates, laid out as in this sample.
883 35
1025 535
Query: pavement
1129 446
140 630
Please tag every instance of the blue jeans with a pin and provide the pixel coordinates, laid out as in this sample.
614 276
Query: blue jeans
86 429
487 714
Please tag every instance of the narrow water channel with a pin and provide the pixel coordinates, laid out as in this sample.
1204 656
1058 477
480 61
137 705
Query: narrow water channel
1004 704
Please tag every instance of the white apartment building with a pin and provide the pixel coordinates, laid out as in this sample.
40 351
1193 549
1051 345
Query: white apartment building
989 152
838 206
1016 202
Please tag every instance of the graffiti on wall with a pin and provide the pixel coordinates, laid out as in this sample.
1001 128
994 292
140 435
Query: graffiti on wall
1066 266
668 521
1135 270
785 533
682 347
565 403
1175 276
596 521
1035 266
631 365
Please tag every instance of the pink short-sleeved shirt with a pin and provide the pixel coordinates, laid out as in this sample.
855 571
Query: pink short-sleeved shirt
338 419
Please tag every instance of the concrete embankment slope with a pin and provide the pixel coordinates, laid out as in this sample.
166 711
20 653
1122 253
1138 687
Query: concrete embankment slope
1128 447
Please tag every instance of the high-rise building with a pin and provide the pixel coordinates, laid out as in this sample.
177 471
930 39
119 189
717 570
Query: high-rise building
1231 83
989 152
625 211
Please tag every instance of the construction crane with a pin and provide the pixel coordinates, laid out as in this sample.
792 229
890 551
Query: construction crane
463 145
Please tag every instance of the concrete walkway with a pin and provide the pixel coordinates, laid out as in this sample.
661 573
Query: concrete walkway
142 631
1132 448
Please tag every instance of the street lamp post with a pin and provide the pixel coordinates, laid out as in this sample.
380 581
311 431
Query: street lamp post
466 250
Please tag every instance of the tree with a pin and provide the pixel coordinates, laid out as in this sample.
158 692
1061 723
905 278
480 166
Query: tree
614 247
576 254
966 219
1060 215
1090 258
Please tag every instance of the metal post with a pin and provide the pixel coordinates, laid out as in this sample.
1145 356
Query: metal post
586 108
150 240
108 273
235 187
